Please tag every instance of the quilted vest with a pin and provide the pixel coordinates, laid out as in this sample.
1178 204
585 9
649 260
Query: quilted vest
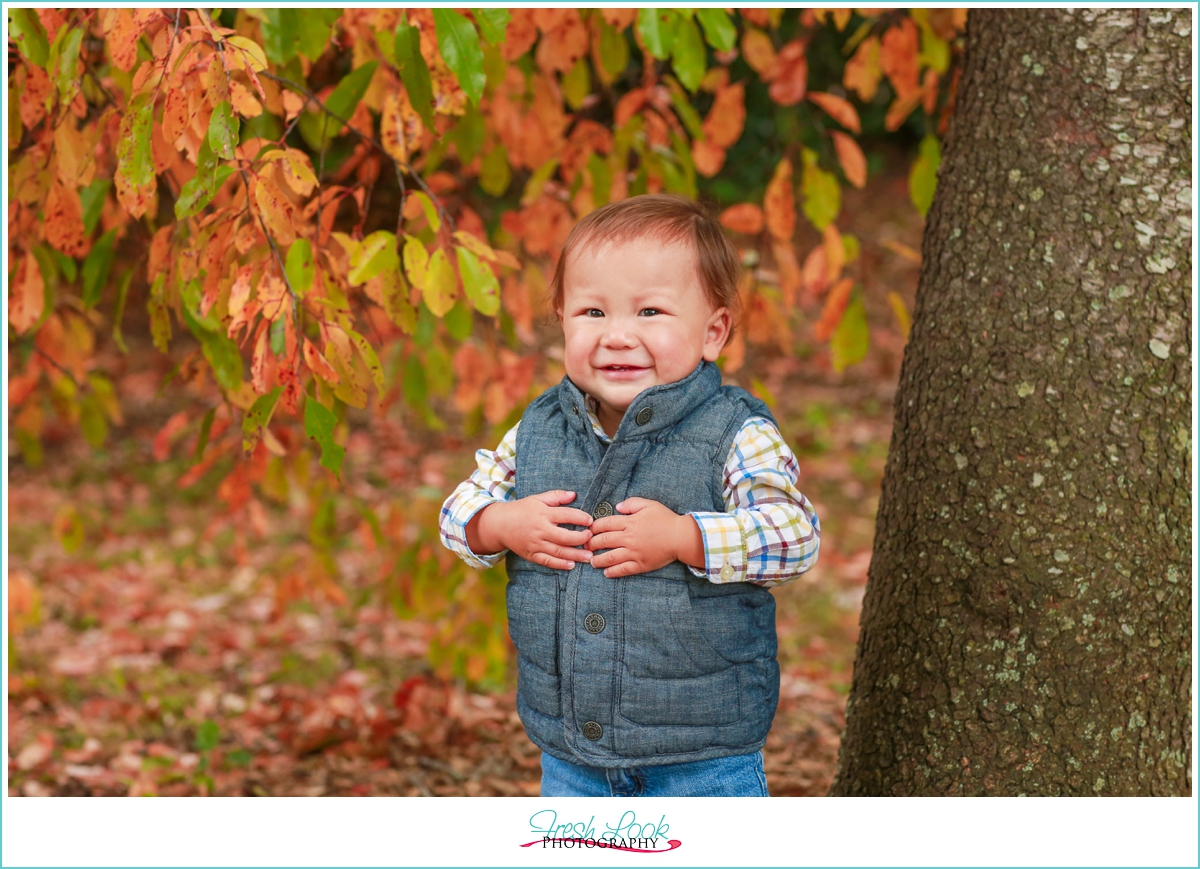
660 667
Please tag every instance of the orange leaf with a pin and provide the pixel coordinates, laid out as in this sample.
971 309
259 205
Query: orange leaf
160 447
790 79
759 52
746 218
277 210
789 270
320 367
854 164
27 298
757 16
564 44
32 100
727 117
900 110
929 91
619 18
898 58
520 35
239 293
272 294
391 127
262 365
835 306
862 71
244 102
63 226
838 109
707 157
815 274
779 204
835 253
122 40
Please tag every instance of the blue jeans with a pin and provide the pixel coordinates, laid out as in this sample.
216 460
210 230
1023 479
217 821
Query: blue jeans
738 776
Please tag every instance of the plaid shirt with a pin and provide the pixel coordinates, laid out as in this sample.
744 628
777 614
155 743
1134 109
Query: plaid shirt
769 533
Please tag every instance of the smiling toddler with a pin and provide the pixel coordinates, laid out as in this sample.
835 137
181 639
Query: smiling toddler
644 628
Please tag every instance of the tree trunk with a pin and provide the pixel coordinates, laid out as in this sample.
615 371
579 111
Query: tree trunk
1027 623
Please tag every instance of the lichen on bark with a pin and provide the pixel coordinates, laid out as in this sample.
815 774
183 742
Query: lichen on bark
1026 627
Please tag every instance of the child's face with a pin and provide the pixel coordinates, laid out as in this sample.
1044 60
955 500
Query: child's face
635 315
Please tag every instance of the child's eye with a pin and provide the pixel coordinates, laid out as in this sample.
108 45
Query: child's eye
593 312
649 312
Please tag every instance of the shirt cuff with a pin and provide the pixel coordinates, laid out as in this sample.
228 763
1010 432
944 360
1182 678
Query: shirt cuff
463 514
724 548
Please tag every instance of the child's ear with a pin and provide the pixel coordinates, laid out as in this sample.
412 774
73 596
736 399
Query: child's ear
716 331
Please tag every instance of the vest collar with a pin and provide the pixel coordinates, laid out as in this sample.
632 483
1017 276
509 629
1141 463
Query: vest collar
657 408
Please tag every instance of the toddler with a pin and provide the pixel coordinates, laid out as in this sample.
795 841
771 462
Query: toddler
644 510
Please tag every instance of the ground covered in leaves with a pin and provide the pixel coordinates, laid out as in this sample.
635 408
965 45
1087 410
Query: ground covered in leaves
158 656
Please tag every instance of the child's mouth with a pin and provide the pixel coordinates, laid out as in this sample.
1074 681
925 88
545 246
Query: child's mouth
622 372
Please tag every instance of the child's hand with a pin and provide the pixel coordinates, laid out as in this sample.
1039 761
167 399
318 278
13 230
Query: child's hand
644 535
530 528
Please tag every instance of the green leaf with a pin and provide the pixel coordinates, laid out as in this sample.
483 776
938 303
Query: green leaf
922 178
851 338
369 357
68 56
460 321
822 193
441 284
492 23
68 528
431 213
495 174
299 266
135 160
376 254
483 290
225 358
537 181
223 131
657 29
208 735
26 29
349 91
416 390
96 268
688 56
318 424
468 135
122 293
718 29
614 49
92 422
202 439
683 107
577 84
459 44
601 179
279 31
313 27
160 320
414 72
277 336
258 417
66 265
92 197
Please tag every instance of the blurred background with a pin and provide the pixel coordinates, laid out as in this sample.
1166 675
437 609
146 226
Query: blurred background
201 606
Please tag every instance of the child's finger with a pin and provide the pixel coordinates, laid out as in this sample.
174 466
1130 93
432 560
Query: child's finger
569 538
611 557
627 567
556 497
611 540
632 505
570 516
550 561
609 523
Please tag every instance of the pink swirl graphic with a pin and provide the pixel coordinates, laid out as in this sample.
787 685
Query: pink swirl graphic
672 844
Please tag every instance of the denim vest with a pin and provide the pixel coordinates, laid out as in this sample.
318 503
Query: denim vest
660 667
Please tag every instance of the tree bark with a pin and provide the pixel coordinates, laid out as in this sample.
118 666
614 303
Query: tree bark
1026 627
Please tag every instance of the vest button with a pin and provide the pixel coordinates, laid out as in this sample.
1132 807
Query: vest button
602 509
594 622
575 409
593 731
644 415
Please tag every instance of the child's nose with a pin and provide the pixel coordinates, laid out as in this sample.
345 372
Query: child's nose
618 334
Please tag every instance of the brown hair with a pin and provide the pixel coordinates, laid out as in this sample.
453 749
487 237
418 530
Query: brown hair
669 218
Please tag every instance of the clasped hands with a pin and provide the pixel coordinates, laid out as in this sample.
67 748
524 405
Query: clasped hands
643 535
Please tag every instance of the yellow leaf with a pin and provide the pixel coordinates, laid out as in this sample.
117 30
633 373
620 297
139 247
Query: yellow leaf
441 284
901 312
477 247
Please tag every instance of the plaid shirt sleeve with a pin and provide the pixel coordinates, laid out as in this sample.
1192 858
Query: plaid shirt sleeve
491 481
769 534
